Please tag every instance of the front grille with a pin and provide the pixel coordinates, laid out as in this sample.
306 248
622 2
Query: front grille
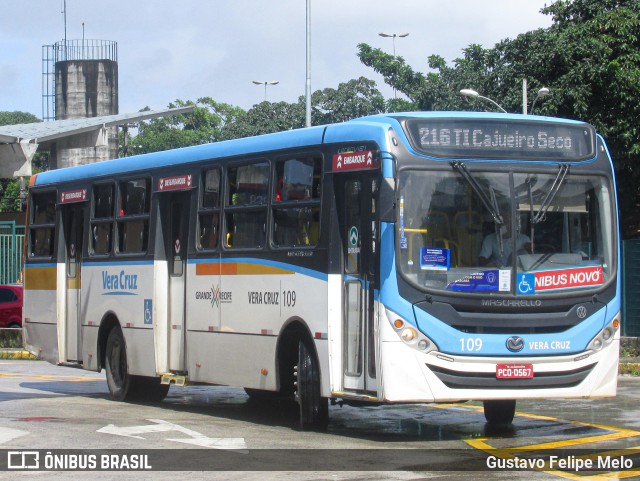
467 380
486 320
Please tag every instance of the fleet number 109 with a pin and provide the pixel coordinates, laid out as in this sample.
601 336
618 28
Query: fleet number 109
470 344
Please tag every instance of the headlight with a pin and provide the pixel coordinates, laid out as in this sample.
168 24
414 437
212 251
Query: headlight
409 334
606 336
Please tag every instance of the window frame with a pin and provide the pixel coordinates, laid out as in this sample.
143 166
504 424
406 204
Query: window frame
102 221
313 203
210 210
231 210
42 226
122 219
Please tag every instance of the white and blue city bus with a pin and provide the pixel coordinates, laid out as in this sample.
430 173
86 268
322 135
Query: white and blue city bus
401 258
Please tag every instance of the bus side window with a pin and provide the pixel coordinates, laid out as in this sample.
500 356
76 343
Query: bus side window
102 219
133 218
248 190
296 206
209 210
42 226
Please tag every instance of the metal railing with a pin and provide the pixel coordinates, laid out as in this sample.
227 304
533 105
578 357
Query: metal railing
11 245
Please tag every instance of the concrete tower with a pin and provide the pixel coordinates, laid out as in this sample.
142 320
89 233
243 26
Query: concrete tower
81 80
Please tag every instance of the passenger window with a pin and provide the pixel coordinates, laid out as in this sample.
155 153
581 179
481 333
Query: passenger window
101 238
133 217
209 210
134 198
296 202
103 201
246 216
42 226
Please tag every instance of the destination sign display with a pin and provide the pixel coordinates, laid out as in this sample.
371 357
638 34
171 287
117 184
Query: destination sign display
502 140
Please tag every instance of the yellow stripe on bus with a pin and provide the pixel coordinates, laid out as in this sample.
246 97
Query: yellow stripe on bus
40 278
237 268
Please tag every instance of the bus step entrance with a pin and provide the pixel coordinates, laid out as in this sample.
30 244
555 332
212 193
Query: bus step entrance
175 379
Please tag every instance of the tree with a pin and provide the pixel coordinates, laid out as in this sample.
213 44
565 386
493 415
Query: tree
355 98
11 118
203 125
212 121
264 118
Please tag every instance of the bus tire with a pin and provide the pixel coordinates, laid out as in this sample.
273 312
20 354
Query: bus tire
500 413
314 409
118 377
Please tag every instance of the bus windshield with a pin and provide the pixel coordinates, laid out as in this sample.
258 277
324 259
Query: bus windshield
518 233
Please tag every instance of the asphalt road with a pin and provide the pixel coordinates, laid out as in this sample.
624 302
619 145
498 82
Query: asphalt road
63 415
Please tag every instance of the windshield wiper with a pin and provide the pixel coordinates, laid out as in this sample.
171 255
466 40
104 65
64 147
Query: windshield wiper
529 181
555 187
490 204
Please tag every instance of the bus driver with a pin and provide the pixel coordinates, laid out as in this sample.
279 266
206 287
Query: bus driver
491 253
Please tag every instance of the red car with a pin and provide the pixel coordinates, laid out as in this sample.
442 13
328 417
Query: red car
11 305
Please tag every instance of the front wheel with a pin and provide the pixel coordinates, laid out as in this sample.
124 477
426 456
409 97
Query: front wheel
500 413
314 409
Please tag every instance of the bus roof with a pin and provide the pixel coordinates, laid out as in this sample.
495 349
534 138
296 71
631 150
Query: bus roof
369 128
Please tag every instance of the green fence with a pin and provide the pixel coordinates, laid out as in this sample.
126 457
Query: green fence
11 242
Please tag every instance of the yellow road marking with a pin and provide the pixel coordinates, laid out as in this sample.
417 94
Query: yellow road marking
45 377
615 433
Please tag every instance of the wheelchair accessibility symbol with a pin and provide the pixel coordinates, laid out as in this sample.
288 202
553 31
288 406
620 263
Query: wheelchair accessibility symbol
526 284
148 311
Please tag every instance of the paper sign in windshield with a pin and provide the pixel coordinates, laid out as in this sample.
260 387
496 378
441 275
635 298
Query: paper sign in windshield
560 279
477 281
435 259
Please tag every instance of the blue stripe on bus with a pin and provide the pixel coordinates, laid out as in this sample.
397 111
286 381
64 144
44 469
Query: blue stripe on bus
48 264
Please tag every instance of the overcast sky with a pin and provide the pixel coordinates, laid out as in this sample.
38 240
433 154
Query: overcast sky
186 49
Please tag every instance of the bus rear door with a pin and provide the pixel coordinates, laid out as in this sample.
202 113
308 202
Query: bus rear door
174 212
72 207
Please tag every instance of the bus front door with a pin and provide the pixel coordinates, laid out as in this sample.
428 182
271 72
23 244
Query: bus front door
359 240
72 219
175 215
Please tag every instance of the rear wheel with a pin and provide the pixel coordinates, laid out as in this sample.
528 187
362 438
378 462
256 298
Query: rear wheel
122 385
314 409
118 378
501 412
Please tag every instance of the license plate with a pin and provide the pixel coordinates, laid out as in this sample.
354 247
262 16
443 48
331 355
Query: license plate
514 371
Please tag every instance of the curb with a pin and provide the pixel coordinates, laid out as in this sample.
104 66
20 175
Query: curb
17 354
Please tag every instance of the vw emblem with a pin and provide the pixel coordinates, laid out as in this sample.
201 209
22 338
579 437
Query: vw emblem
581 312
515 344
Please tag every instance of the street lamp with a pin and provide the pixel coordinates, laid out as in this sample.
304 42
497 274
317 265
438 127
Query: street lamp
541 93
393 37
265 83
473 94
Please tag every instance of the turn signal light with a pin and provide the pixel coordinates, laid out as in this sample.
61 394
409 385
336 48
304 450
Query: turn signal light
398 323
